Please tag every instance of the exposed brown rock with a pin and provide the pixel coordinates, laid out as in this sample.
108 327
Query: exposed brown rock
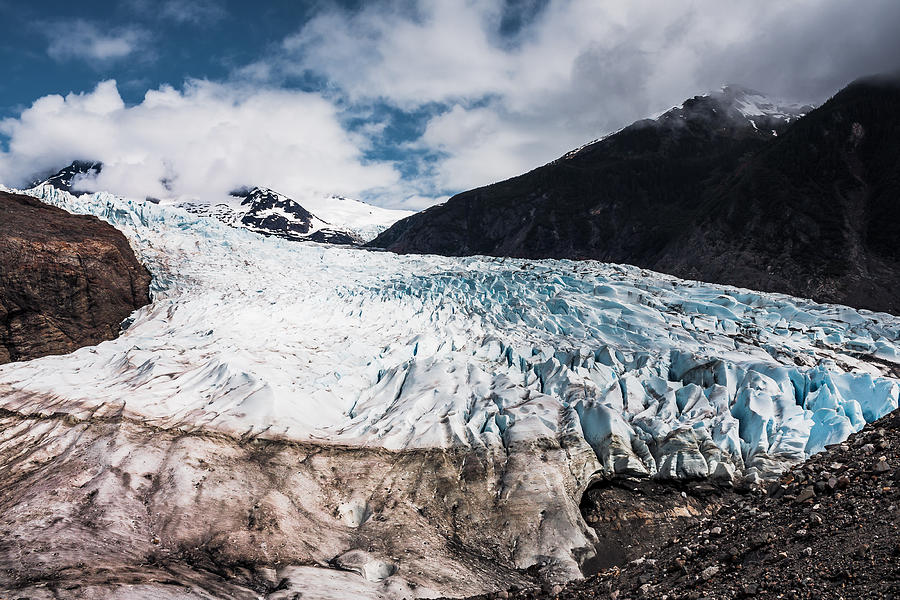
634 516
66 281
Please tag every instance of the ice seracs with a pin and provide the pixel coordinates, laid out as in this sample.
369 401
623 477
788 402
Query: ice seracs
517 381
407 351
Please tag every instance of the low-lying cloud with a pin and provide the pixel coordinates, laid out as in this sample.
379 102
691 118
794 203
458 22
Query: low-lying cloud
198 142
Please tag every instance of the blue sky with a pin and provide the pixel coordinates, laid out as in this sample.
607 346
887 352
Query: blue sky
400 103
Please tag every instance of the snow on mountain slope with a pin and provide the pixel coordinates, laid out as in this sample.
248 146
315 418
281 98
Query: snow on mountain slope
734 105
567 370
67 178
360 218
751 103
269 213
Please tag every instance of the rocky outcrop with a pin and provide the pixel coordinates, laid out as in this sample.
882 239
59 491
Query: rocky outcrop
707 192
66 281
634 516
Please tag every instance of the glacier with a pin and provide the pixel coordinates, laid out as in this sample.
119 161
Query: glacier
524 380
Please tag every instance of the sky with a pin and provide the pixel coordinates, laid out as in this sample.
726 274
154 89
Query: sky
400 103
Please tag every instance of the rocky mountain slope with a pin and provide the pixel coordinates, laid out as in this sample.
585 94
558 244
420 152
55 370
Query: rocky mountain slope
398 426
269 213
68 178
828 529
66 281
727 188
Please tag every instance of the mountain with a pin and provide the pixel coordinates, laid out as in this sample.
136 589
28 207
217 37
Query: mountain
729 187
66 281
67 176
330 219
269 213
337 219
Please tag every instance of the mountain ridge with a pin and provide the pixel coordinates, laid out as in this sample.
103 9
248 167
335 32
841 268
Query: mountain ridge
264 210
659 193
270 213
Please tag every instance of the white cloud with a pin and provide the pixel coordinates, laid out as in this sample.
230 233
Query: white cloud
206 139
578 70
197 12
83 40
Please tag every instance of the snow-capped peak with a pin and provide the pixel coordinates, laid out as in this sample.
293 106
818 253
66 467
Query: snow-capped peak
751 103
67 178
737 107
271 213
733 108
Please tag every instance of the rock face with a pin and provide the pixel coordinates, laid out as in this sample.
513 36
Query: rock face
726 188
66 281
634 516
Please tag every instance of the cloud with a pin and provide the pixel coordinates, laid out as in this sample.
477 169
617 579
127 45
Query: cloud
458 93
84 40
197 12
516 91
184 12
204 140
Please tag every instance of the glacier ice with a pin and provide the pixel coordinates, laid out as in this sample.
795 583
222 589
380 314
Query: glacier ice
299 404
659 376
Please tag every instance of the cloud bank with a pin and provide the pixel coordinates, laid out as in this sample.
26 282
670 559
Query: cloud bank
199 142
576 69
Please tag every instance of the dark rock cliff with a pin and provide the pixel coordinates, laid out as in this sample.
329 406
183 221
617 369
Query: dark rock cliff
66 281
